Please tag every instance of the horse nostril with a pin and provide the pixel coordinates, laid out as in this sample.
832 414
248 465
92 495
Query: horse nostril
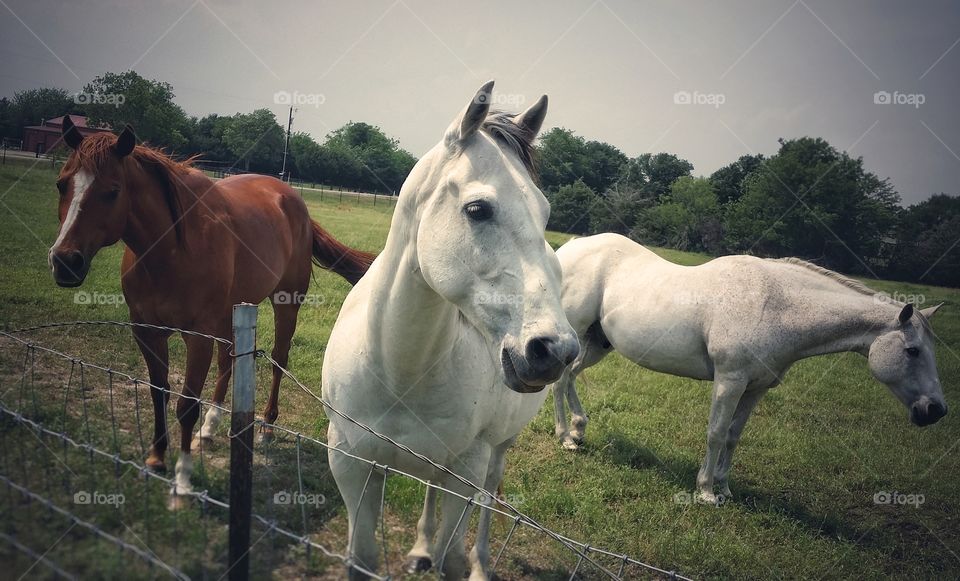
71 261
538 348
936 411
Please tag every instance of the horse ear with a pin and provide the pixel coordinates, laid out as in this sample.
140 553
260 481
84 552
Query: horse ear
930 311
71 135
906 313
532 118
125 142
473 116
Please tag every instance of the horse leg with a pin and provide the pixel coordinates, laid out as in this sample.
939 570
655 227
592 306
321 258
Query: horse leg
455 511
285 323
559 409
419 558
480 555
578 418
199 355
727 392
362 499
155 350
744 408
211 420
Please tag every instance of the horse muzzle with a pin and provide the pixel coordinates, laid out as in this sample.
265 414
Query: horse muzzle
69 267
926 411
537 363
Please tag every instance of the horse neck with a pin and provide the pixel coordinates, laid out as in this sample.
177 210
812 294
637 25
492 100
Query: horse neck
412 326
150 232
844 321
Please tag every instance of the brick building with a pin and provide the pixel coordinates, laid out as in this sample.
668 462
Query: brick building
44 137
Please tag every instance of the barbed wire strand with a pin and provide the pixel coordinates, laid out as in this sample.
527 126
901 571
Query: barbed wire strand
42 559
582 550
94 528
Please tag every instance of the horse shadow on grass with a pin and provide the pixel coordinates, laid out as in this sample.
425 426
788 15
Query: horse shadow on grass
747 496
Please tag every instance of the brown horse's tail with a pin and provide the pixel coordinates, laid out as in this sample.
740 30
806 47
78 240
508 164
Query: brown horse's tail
330 253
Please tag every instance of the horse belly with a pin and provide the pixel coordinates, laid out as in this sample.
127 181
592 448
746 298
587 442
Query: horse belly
666 345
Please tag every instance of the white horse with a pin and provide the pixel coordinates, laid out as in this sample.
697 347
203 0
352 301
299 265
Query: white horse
445 342
740 321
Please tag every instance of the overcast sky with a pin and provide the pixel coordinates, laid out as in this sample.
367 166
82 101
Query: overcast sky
613 69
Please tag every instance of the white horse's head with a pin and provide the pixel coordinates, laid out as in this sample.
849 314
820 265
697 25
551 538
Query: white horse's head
903 358
480 243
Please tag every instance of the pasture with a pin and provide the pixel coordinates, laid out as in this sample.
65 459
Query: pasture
817 452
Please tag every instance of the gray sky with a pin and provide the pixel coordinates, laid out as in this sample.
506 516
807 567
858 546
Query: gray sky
612 68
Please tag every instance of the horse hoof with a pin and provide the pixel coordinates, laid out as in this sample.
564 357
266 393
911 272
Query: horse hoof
707 498
419 565
178 502
577 437
570 444
156 465
265 437
202 443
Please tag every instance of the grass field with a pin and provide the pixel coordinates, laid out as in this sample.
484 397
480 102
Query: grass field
814 455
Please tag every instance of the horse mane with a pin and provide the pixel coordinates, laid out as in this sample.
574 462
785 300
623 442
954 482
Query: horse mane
501 126
836 276
95 149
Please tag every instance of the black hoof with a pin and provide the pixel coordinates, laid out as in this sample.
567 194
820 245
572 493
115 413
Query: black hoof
419 565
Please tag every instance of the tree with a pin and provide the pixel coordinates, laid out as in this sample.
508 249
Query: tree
728 180
926 242
381 164
206 138
813 201
32 107
257 139
617 211
686 219
117 99
652 174
570 208
566 157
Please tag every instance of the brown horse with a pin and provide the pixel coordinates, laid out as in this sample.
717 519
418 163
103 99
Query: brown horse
194 248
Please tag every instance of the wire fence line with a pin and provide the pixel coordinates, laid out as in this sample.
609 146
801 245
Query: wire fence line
585 554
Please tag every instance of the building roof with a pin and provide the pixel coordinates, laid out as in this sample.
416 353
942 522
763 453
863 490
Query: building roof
55 124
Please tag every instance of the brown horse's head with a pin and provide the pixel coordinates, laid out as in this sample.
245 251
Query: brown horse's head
94 201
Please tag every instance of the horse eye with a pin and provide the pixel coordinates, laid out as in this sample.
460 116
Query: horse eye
912 351
478 211
111 195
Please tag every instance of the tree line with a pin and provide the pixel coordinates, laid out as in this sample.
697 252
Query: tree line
808 199
357 156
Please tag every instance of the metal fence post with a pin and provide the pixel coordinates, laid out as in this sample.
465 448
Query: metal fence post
241 442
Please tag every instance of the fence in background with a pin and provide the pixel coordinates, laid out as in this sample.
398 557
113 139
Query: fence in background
60 422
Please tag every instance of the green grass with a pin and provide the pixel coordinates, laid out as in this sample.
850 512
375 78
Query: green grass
813 455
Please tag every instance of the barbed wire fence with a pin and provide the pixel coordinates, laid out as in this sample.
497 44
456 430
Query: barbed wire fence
97 465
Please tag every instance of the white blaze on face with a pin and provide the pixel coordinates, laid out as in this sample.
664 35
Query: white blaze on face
82 180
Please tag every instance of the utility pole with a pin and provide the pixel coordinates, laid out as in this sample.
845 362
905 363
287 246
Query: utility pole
286 145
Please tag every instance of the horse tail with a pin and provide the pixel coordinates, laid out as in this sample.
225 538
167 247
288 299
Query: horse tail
331 254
